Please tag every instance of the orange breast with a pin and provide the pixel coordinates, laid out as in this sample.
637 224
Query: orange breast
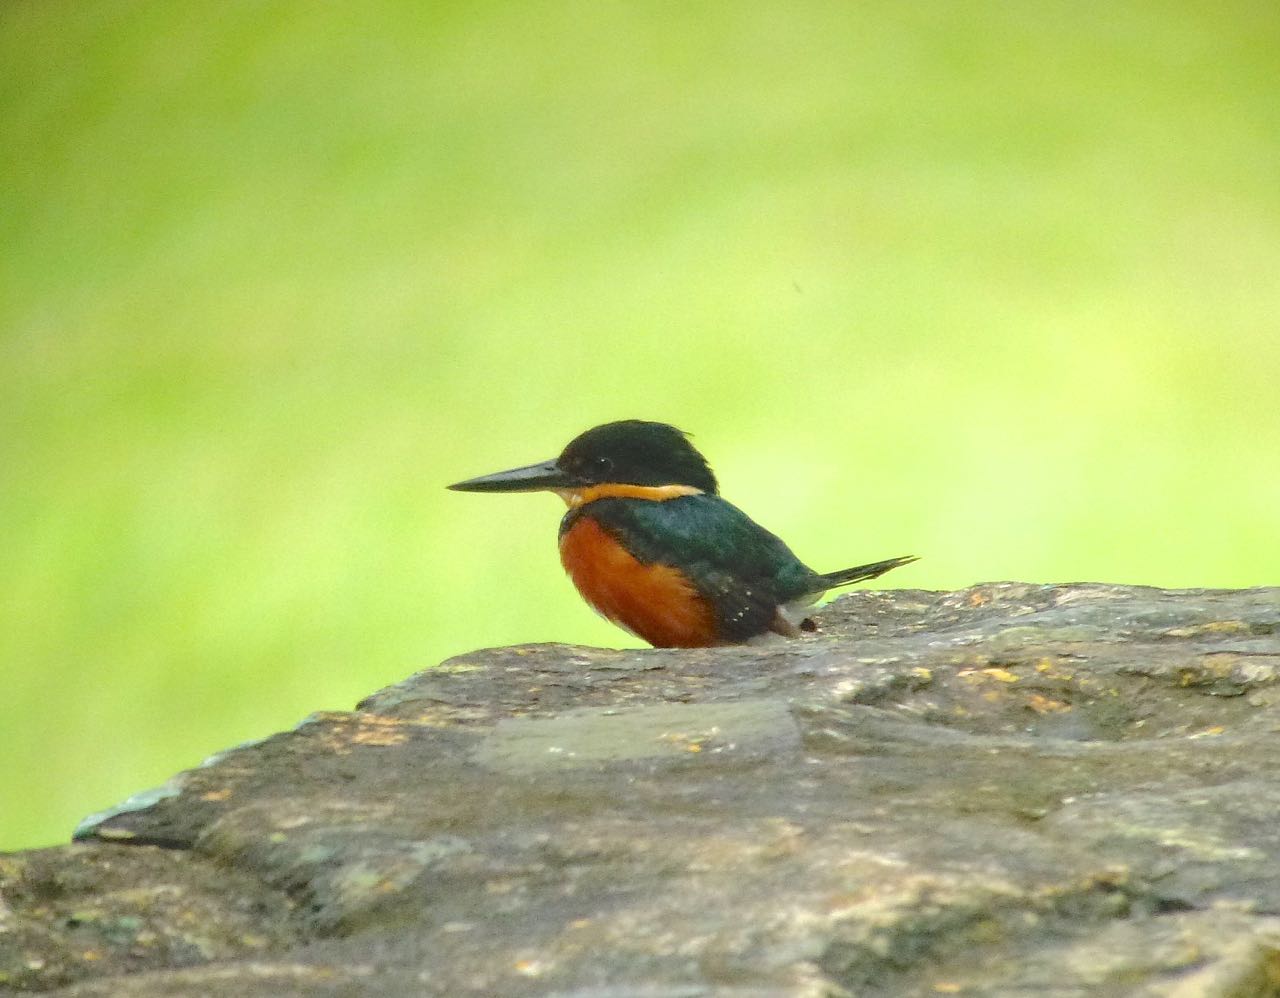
654 602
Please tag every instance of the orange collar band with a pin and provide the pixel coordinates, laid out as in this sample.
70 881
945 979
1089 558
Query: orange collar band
657 493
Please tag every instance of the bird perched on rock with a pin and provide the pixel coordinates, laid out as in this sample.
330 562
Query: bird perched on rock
652 547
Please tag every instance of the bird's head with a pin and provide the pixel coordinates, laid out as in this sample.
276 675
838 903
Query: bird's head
631 452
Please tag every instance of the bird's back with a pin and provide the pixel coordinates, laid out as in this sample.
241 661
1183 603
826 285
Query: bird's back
693 570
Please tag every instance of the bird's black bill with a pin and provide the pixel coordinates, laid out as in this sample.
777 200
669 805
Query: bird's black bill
532 478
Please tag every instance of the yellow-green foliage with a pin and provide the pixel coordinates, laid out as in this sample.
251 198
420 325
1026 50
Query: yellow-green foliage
996 284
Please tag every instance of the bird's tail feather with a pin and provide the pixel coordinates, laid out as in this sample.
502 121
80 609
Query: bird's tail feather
861 573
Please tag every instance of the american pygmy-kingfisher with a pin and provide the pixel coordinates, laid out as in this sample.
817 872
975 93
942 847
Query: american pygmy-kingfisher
652 547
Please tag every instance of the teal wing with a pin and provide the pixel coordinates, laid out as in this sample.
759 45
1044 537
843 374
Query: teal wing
743 570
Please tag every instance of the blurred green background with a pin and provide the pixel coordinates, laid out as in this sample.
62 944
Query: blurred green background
997 284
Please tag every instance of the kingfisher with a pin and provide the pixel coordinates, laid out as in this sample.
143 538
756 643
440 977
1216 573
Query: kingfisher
651 546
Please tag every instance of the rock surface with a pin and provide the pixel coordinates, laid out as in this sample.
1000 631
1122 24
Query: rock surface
1007 790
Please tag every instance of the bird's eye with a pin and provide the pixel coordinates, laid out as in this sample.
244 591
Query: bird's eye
602 465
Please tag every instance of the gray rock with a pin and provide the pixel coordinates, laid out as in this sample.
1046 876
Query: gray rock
1008 790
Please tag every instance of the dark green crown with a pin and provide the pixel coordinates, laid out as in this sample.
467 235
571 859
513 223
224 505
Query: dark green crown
636 452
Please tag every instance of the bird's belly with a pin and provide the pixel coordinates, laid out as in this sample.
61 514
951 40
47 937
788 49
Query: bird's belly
655 602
